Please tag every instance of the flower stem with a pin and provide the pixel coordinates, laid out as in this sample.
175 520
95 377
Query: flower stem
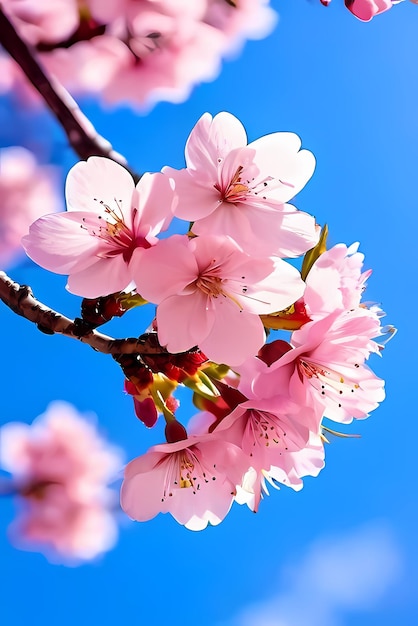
82 136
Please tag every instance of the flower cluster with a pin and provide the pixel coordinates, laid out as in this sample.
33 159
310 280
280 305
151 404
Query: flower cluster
219 289
137 51
60 469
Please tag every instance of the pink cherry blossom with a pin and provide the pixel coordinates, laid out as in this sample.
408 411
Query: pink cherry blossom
148 51
326 368
294 466
61 468
210 294
365 10
108 217
267 431
27 190
194 479
46 21
335 281
241 191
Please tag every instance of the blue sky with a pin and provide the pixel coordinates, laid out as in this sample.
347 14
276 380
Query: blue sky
343 550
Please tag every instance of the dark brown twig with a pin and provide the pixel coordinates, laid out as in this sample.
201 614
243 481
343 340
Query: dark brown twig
81 134
20 299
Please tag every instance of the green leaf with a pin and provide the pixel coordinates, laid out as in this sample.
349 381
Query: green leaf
314 253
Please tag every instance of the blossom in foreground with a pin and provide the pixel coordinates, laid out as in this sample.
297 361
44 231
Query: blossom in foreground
61 467
326 369
273 433
335 281
27 191
107 218
241 190
294 466
193 479
210 294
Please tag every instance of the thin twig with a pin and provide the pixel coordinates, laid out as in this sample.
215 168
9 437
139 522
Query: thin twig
20 299
81 134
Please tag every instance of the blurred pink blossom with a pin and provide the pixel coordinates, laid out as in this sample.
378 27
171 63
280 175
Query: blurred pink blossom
61 468
240 190
137 51
27 190
241 19
43 20
108 217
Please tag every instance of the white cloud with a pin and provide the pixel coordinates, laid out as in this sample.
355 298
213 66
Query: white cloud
338 574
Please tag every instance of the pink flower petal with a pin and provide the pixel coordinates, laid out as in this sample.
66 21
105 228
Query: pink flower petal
103 277
235 334
100 181
165 269
279 156
59 242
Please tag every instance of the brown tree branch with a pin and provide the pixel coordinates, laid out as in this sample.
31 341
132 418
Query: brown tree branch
20 299
81 134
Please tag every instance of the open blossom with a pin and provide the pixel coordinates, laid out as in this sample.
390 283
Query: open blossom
107 218
294 466
61 468
210 294
240 190
325 368
27 191
269 430
193 479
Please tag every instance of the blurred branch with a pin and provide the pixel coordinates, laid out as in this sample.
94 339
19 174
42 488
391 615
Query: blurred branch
20 299
81 134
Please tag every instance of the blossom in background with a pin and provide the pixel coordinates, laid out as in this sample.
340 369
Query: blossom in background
193 479
241 190
137 51
27 190
48 21
108 217
210 294
60 468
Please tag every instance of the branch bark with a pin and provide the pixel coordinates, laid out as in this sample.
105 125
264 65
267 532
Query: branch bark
81 134
20 299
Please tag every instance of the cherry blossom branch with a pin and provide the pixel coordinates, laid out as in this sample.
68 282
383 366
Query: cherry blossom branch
20 299
82 135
